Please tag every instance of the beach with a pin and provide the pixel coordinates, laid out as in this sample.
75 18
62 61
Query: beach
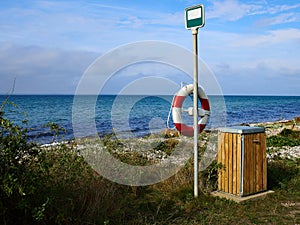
157 148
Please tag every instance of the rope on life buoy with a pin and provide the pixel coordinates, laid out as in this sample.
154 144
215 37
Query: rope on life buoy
177 110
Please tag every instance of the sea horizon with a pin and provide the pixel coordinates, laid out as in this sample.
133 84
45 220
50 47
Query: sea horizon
53 94
140 115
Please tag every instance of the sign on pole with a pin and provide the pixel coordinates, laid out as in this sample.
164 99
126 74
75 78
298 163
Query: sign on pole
194 17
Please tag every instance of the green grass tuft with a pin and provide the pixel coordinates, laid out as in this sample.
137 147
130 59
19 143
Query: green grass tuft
287 137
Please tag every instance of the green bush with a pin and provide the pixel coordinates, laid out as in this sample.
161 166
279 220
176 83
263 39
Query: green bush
286 137
16 179
51 185
280 173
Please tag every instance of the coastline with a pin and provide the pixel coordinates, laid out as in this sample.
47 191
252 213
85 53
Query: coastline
157 148
40 110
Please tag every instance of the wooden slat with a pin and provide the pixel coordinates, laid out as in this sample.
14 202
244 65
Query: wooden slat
230 158
226 188
251 147
234 164
238 165
259 164
245 168
220 147
247 164
264 162
223 163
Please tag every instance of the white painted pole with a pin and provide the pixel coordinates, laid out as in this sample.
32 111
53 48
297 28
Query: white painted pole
195 110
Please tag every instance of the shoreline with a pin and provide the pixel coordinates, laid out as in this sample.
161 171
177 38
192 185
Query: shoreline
150 147
58 109
272 128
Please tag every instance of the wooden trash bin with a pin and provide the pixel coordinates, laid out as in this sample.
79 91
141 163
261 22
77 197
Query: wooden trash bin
242 153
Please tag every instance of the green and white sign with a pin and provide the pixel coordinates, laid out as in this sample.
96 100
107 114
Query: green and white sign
194 17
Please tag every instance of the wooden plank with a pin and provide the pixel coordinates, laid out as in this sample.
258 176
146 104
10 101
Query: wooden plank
220 147
259 164
264 161
226 188
246 172
219 159
230 157
223 163
238 164
234 164
252 163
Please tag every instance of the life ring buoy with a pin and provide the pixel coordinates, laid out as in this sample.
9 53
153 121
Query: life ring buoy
177 110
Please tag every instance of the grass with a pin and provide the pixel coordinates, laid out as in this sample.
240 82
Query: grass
286 137
56 186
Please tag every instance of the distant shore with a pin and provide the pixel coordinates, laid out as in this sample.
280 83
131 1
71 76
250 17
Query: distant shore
275 127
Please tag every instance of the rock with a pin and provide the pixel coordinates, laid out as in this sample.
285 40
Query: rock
171 133
245 124
284 152
297 119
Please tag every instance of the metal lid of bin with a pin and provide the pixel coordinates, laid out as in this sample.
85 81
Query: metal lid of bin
242 130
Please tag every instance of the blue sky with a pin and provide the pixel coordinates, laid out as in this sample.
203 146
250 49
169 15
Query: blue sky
252 47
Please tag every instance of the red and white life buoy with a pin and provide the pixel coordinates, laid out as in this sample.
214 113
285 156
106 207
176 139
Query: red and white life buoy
177 110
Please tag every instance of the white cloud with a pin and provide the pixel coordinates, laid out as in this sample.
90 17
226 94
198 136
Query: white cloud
113 7
272 37
41 70
231 10
282 8
266 63
280 19
96 27
79 25
245 43
260 77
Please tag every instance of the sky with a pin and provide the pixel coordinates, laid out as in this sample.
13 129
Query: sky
251 47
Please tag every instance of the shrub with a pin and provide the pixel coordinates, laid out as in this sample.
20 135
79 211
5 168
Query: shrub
280 172
51 185
287 137
16 179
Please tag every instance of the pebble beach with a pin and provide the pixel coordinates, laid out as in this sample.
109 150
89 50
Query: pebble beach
148 147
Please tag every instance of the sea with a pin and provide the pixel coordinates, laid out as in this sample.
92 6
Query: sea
132 115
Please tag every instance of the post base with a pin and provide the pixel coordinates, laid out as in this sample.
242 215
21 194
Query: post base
239 199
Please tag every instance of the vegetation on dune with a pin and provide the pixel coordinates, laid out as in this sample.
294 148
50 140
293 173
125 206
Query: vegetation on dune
286 137
54 185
